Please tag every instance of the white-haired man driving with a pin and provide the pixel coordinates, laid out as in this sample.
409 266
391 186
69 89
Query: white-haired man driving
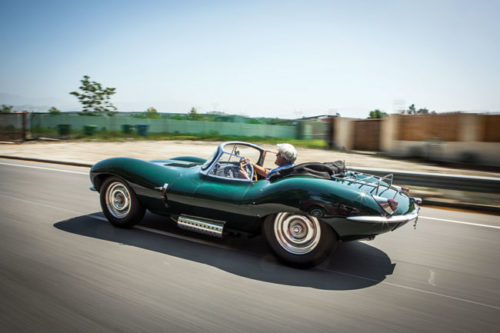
285 158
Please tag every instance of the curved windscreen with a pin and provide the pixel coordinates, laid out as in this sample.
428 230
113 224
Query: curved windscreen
210 160
232 167
249 152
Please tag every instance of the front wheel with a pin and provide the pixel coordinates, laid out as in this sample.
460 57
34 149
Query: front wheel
299 240
119 203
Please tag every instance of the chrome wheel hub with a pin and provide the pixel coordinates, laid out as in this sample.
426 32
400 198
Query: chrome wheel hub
297 234
118 200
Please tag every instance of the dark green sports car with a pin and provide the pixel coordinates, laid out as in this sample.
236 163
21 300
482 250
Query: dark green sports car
303 211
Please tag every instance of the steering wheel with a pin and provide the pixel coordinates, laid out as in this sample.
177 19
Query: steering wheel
243 164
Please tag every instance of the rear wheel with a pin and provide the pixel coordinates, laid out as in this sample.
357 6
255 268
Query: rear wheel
119 203
299 240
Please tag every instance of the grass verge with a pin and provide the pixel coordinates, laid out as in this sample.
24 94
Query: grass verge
120 136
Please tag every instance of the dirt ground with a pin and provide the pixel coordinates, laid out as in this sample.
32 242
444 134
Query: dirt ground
92 152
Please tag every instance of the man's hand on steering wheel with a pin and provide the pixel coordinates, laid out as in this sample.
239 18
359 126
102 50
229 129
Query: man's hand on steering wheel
244 162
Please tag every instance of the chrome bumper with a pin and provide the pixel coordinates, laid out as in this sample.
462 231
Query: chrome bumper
410 217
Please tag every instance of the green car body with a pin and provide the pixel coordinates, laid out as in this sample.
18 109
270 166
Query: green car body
346 203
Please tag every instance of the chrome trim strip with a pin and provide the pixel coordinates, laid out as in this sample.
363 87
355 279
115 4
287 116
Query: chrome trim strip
382 219
240 143
163 188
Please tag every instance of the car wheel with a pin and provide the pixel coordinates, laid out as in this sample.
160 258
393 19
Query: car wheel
119 203
299 240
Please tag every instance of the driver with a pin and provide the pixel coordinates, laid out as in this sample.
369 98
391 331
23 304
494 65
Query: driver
285 158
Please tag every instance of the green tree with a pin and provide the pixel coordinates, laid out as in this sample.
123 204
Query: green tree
377 114
193 114
54 111
6 108
94 98
152 113
412 110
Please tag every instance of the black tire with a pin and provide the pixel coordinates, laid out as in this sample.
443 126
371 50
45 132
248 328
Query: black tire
119 203
299 240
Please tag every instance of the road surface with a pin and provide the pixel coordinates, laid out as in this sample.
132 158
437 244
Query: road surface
64 268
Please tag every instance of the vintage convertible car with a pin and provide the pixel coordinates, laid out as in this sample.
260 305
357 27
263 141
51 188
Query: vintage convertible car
303 211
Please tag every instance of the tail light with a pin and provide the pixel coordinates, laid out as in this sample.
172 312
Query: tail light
388 205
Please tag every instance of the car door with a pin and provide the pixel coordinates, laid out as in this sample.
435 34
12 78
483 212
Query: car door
222 198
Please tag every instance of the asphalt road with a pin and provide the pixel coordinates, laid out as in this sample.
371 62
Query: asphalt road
63 268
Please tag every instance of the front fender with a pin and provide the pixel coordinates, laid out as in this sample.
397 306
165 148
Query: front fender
135 172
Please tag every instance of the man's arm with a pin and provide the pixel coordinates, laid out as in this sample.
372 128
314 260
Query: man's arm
260 170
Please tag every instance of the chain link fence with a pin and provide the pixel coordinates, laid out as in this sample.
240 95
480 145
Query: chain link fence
14 126
30 125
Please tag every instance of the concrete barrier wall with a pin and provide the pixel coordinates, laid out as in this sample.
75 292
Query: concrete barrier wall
367 134
466 146
475 138
343 133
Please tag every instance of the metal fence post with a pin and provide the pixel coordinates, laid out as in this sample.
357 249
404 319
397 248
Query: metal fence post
25 125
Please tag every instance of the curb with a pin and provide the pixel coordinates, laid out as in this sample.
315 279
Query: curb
46 161
426 202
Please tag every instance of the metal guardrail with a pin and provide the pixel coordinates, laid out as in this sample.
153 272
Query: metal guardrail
444 181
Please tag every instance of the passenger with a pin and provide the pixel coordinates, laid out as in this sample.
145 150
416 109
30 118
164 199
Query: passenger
285 158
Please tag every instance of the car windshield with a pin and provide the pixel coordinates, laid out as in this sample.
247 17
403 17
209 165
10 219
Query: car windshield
232 166
210 160
233 160
249 152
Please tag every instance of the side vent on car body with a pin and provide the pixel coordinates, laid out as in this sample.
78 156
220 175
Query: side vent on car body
163 190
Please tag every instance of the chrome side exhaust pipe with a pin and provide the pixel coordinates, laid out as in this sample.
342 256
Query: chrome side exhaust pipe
204 226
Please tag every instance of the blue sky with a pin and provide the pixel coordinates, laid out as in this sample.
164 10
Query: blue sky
257 58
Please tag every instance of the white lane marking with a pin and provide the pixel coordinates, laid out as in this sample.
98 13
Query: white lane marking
42 168
417 290
432 278
461 222
165 233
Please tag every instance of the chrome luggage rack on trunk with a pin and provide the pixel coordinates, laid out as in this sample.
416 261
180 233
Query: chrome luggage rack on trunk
370 180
